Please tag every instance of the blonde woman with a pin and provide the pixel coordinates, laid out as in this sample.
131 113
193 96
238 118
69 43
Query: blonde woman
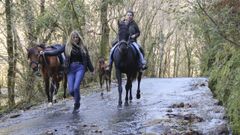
77 63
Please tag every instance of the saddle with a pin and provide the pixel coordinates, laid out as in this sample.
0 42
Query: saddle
134 49
61 57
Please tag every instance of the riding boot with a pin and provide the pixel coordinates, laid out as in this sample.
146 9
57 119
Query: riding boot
110 59
142 61
76 107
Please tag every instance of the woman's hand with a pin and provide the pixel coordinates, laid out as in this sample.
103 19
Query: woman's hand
41 52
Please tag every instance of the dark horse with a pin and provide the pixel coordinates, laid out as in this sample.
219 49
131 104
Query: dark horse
50 67
104 74
125 61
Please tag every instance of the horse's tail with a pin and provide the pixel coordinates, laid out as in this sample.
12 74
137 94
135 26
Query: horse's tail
134 76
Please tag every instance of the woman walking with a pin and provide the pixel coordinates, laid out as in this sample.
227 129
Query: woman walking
77 62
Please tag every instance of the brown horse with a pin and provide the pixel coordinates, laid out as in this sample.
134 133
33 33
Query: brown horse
50 67
104 74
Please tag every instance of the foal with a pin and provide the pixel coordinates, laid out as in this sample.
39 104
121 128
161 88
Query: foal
104 74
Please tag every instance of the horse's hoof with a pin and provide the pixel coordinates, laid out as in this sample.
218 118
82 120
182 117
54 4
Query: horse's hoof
126 103
119 106
120 103
54 99
101 94
138 96
50 104
75 111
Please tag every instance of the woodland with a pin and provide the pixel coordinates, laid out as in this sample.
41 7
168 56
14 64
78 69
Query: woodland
180 38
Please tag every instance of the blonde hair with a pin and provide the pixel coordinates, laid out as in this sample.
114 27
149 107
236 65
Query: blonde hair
70 43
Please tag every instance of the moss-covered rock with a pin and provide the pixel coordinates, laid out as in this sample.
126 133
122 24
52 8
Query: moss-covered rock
224 81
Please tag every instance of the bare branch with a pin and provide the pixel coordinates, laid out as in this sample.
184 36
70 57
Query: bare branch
221 33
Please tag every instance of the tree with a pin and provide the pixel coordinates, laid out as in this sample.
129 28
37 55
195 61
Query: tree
11 54
105 28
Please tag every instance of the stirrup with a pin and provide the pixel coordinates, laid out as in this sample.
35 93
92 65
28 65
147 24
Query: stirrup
144 67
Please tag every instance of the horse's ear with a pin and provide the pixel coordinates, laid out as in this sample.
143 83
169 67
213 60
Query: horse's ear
119 22
42 45
33 43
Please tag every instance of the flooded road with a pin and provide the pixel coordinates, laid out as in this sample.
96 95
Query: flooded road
174 106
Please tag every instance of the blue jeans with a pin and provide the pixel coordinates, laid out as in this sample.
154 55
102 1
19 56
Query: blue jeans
74 78
142 60
110 58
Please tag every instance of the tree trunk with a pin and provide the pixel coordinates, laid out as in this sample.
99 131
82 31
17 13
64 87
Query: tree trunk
163 42
31 38
147 29
29 21
161 53
105 29
188 53
11 55
42 7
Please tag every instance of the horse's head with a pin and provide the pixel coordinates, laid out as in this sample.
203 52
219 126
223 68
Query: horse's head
33 55
123 34
102 64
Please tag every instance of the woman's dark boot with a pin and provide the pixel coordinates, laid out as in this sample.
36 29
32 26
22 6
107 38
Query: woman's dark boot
76 107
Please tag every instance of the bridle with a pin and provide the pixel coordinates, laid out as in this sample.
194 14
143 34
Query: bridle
36 70
122 42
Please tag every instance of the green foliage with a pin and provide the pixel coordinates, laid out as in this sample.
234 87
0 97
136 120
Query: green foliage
221 57
45 20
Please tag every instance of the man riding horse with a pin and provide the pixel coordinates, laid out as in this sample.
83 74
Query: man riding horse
134 34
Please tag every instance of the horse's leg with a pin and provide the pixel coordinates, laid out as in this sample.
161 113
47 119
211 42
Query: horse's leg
130 92
46 80
55 92
107 87
119 78
64 85
127 87
52 84
101 83
139 81
100 80
109 81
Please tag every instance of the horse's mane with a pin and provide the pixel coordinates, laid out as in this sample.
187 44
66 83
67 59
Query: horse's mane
41 45
123 30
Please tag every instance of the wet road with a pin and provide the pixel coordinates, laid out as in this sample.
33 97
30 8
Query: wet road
172 106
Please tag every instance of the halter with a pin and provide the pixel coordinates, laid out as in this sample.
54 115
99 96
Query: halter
123 41
120 42
37 68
